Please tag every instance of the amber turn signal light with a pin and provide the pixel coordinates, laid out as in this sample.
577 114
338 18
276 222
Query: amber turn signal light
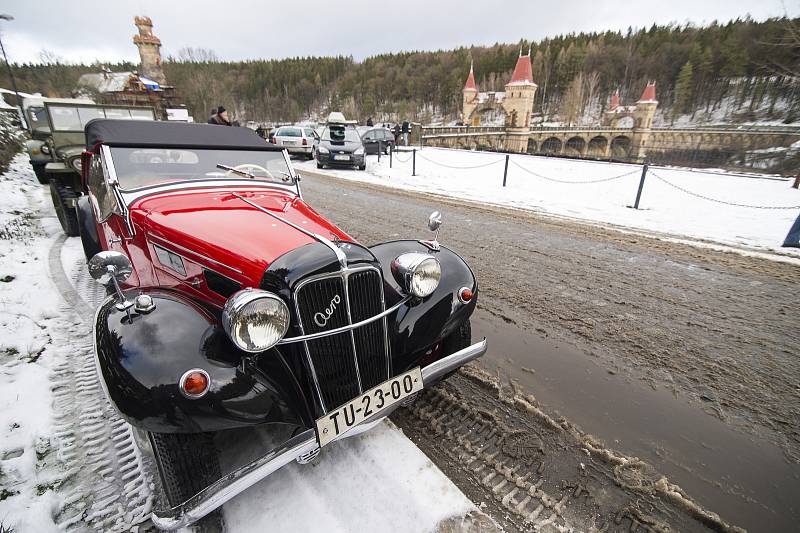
465 295
194 383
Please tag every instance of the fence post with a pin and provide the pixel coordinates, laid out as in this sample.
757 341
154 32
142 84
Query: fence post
391 151
641 186
796 184
380 149
505 171
414 162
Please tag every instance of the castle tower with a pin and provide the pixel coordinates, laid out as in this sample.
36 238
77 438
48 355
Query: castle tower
149 50
470 97
520 92
518 103
643 115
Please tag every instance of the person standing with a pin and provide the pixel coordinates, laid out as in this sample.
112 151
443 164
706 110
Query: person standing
220 118
369 122
406 127
396 132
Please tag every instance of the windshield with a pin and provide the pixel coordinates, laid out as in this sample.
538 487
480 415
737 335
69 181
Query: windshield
37 118
145 167
340 134
289 132
74 118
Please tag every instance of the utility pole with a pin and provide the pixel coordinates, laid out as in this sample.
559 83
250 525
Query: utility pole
9 18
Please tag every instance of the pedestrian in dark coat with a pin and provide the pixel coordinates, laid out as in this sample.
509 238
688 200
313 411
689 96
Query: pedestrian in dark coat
406 129
396 132
220 118
369 122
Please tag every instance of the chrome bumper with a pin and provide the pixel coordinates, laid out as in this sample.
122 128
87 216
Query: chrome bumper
231 485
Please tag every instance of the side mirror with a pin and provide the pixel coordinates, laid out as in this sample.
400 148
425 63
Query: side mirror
110 267
435 221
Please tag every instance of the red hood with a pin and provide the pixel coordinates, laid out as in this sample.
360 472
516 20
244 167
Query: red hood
216 224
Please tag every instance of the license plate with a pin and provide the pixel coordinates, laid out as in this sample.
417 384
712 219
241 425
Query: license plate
342 157
289 143
344 418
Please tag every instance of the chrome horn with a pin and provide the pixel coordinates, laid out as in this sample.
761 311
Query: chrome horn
110 267
434 223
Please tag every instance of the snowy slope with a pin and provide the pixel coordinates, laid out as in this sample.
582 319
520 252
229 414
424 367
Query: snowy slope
679 202
51 479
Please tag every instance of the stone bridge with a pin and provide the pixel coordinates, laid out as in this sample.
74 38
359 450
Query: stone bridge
719 144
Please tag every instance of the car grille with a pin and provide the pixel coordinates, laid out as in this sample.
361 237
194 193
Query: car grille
348 363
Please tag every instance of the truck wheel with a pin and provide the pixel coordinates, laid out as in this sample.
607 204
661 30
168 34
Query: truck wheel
187 463
66 214
41 174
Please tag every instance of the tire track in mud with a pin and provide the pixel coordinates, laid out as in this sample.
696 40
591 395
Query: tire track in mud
535 473
107 483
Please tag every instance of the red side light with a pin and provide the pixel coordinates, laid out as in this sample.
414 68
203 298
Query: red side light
465 295
305 141
194 383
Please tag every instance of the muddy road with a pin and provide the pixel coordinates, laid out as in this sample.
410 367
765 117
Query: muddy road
685 357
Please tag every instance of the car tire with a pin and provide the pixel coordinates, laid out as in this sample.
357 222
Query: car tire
41 174
362 167
320 165
458 340
187 463
87 228
66 215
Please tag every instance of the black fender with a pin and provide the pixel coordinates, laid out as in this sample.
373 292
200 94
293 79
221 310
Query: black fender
422 323
87 227
141 358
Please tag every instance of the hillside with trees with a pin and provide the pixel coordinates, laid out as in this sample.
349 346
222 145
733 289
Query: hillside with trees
741 71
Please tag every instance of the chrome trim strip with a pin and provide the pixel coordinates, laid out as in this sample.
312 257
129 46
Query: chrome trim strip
114 182
198 254
352 335
340 256
438 369
312 336
228 487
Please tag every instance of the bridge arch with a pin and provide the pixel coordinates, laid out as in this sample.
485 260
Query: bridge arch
531 147
575 146
621 147
597 146
551 145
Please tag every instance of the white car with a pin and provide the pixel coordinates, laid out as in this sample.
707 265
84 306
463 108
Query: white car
298 140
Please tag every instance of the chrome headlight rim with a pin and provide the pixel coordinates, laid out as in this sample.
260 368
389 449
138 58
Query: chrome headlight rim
408 265
235 308
76 163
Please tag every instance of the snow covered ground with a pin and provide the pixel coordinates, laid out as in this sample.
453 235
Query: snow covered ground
49 481
707 206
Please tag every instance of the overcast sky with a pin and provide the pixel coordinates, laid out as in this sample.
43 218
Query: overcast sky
82 30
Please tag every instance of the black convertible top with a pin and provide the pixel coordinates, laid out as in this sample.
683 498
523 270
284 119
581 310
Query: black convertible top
171 134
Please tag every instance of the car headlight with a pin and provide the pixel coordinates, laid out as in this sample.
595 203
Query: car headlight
76 163
255 320
321 149
45 149
359 151
419 274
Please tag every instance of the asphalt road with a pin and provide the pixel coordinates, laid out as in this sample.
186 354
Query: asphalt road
683 356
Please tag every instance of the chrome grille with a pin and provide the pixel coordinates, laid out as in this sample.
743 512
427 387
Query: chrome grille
345 364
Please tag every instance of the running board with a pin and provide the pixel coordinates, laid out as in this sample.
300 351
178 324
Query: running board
230 485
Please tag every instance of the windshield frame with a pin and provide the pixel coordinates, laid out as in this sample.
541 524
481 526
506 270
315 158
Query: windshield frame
128 196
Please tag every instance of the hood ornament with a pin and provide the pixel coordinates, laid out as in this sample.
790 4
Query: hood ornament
434 223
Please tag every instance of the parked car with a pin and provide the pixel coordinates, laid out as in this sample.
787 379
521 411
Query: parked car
340 144
298 140
377 139
234 304
39 131
63 142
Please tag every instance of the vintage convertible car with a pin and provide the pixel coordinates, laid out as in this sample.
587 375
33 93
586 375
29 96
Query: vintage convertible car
234 304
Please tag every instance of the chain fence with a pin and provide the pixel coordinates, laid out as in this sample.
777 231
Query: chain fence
454 167
570 182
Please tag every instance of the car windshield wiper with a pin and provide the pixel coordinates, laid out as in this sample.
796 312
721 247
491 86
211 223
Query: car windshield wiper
286 176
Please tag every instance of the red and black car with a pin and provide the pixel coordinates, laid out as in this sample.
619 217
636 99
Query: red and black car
233 304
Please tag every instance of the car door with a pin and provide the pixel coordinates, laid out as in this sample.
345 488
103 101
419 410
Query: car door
370 142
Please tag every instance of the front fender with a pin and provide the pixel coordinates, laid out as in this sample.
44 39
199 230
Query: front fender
420 324
141 358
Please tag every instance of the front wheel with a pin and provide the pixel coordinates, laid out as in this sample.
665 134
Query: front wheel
187 463
458 340
320 165
67 216
362 167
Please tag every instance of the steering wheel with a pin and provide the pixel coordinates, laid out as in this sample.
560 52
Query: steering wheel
246 167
